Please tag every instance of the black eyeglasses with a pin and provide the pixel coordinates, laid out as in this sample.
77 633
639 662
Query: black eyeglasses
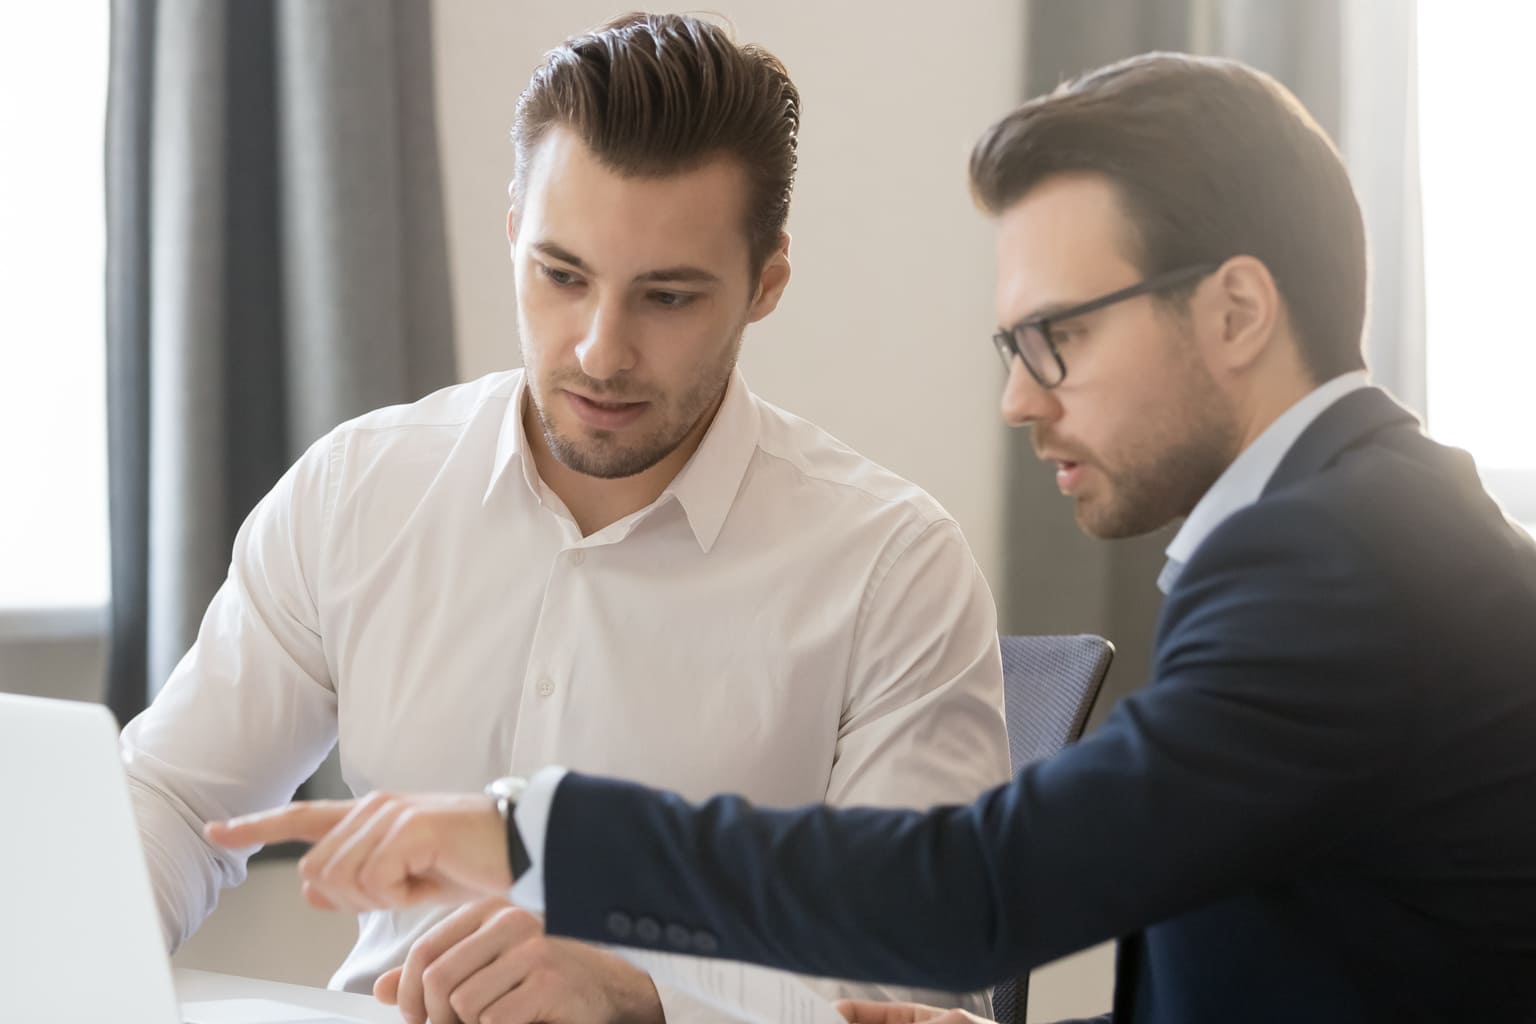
1030 340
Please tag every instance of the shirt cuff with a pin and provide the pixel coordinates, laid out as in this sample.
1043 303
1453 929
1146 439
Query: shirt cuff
532 820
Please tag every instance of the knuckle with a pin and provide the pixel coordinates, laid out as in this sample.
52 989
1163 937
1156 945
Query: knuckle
539 953
434 981
451 923
503 916
489 905
416 961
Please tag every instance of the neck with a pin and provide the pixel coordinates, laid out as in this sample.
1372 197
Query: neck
597 502
1278 381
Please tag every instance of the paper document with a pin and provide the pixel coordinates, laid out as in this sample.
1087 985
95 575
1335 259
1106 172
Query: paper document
746 992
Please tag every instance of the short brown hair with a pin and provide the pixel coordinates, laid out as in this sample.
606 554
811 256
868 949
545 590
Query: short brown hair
658 94
1211 159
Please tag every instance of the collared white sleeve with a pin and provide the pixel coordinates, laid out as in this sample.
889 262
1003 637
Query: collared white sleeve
248 713
922 723
532 820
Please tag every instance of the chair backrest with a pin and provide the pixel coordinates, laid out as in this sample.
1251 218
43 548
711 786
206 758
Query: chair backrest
1049 686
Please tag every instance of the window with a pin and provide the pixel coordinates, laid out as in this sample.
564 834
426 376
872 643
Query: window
53 88
1478 165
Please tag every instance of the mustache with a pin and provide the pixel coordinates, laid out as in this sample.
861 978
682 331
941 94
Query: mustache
616 389
1043 441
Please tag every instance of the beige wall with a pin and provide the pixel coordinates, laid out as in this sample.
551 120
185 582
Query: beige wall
882 336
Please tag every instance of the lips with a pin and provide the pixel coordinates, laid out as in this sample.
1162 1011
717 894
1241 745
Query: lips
1069 472
605 415
1068 476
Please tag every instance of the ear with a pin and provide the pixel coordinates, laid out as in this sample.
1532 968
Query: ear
512 224
1240 311
771 282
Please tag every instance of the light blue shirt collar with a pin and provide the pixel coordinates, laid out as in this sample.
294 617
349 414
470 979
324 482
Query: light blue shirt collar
1245 479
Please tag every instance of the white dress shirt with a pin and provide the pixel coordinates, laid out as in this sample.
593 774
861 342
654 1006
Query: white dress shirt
1245 479
787 621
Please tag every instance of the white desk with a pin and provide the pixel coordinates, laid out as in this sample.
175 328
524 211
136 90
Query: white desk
195 986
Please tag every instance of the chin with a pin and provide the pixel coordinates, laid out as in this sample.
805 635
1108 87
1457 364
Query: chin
1109 523
1120 527
594 454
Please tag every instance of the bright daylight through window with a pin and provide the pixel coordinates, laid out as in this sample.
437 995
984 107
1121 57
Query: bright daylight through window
53 509
1475 100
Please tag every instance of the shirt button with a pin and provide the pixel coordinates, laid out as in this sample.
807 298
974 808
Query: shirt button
546 686
578 556
620 925
705 943
648 930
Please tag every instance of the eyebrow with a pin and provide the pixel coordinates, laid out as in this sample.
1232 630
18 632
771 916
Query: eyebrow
681 274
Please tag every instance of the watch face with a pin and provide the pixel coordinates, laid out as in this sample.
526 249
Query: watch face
508 787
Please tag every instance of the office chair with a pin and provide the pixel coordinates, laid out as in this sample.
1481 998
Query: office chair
1049 686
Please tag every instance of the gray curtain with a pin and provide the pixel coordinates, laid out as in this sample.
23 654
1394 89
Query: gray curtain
1351 62
276 263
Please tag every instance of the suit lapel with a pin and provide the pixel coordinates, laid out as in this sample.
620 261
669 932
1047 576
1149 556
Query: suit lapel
1342 425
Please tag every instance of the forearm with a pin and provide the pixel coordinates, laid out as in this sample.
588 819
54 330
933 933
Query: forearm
757 882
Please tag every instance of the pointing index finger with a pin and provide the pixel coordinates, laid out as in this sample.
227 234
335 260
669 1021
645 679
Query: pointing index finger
305 821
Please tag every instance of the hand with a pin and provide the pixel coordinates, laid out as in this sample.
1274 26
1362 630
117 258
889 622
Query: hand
860 1012
490 963
386 851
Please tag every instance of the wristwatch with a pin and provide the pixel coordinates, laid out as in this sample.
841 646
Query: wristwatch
506 791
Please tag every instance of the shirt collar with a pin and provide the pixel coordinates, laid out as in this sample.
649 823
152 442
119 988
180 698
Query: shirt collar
706 486
1243 481
512 444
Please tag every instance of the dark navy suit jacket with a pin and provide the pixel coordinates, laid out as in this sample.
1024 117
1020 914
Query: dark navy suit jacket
1322 808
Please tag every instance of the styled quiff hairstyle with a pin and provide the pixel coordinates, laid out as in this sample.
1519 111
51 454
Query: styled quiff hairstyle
1211 159
658 94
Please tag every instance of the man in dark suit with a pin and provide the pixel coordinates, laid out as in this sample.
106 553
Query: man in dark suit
1322 807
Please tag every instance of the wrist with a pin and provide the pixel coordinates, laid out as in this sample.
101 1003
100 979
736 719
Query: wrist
505 793
640 1003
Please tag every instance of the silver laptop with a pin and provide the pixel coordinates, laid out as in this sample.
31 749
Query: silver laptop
79 934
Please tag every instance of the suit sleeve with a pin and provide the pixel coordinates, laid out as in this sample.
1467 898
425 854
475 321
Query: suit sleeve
1267 729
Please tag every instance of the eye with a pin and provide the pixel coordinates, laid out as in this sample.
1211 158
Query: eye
559 278
1063 333
672 300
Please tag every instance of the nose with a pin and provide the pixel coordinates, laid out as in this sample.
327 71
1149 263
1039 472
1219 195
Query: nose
1024 401
606 350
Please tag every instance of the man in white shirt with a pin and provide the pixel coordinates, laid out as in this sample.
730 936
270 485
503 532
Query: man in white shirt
617 559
